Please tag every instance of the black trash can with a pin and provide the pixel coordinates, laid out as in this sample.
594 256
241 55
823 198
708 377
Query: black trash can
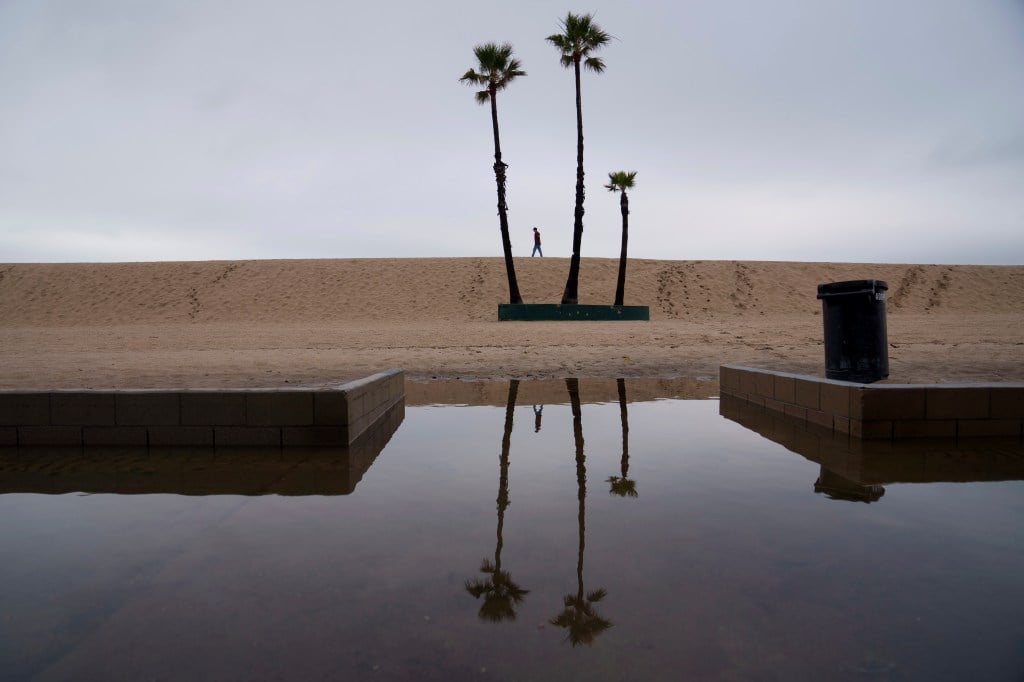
856 347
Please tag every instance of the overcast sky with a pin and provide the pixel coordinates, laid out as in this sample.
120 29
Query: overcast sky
821 130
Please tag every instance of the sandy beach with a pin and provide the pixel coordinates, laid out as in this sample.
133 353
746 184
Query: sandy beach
316 322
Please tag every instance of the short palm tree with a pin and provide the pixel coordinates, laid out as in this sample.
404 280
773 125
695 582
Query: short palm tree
496 69
620 181
500 593
580 36
623 486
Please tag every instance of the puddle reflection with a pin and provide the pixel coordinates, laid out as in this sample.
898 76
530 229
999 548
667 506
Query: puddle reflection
395 560
852 469
580 618
623 485
500 593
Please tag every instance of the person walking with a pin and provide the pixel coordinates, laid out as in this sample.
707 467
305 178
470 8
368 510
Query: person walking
536 244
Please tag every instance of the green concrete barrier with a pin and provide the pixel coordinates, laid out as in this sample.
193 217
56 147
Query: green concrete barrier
547 312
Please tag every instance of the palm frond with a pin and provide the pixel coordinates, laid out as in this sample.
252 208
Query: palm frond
496 68
477 587
558 40
471 77
623 487
621 181
483 96
580 36
581 622
500 594
595 64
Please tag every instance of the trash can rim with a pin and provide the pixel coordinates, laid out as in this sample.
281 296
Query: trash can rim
854 286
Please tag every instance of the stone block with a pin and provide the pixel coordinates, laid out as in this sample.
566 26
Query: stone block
279 409
957 402
397 386
819 418
748 381
924 428
257 436
330 408
8 436
870 429
82 409
796 412
889 403
24 409
835 398
774 405
180 436
314 436
1007 402
215 408
785 389
114 435
970 428
765 384
50 435
806 393
840 424
147 409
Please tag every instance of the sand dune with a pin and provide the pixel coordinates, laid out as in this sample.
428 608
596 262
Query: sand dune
462 289
247 323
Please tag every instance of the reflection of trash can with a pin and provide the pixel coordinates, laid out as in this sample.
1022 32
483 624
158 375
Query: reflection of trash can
856 347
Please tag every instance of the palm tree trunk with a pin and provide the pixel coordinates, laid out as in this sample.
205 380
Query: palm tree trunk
499 177
573 387
624 419
620 284
506 441
571 293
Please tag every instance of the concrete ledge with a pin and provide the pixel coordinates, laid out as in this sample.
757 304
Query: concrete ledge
538 312
333 470
882 411
330 416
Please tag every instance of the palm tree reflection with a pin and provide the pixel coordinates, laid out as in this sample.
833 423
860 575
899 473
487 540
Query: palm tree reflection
500 594
579 617
622 485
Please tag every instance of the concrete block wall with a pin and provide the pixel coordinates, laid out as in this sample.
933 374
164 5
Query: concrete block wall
332 470
883 411
871 462
221 418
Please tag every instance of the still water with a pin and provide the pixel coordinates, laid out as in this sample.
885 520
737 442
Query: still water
617 540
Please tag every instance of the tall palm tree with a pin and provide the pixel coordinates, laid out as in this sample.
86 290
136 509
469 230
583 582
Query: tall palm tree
620 181
622 485
501 594
579 617
497 69
579 37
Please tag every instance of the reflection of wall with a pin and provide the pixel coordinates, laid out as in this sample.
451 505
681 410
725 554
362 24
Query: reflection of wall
198 471
253 417
877 462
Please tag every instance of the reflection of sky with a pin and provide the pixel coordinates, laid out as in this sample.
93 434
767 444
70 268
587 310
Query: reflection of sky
726 565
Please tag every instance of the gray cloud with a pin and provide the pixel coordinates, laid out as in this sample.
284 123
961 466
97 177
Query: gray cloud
788 130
